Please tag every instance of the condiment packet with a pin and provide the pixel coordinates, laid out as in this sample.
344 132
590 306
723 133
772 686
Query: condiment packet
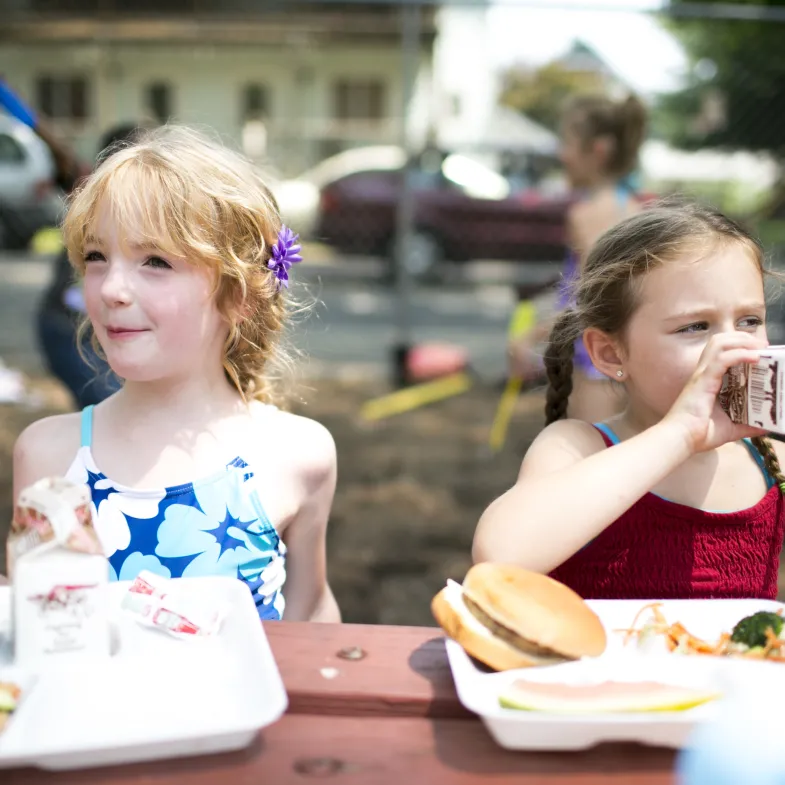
167 605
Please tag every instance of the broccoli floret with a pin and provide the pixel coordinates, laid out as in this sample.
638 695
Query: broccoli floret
751 630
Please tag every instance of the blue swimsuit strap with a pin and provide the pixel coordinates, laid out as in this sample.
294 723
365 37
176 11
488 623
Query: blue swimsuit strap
757 457
87 426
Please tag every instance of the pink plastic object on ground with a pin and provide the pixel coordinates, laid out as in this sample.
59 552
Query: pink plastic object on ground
433 360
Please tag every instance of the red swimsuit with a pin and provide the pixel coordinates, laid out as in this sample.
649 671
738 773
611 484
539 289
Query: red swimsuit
659 549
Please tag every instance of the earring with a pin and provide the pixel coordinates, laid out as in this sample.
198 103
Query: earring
620 373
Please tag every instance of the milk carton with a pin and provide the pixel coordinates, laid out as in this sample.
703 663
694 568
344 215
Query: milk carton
59 576
753 394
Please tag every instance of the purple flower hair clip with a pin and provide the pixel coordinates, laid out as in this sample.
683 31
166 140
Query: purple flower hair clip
286 252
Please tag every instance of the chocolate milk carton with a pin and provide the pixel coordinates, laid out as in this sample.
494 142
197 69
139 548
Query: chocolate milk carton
753 394
59 575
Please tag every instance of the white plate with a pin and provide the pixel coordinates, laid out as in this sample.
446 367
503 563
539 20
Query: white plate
157 697
478 690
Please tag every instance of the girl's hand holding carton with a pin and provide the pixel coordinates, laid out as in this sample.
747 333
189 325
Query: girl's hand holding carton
699 408
752 394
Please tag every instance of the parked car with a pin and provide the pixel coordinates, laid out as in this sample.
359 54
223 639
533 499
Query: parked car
463 211
298 198
29 199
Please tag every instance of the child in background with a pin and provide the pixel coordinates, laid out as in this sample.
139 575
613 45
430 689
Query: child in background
669 498
600 141
193 469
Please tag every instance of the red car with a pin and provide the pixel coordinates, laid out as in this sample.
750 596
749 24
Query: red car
463 211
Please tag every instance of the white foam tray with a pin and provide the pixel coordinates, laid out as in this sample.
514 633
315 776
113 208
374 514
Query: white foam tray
157 697
479 690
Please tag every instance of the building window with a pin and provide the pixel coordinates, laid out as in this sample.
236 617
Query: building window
159 101
255 102
360 99
63 97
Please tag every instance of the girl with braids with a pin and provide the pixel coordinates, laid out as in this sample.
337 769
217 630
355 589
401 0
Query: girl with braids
600 139
669 498
192 468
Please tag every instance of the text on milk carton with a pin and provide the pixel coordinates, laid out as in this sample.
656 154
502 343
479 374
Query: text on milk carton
753 394
59 574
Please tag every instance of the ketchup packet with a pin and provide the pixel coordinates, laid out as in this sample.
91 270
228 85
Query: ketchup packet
168 606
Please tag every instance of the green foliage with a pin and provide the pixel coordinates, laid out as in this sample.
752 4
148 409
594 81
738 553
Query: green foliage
735 97
540 93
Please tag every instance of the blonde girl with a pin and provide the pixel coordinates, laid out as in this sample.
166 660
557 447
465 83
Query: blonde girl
193 469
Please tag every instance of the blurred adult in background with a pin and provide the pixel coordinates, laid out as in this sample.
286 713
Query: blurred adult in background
600 142
86 375
68 357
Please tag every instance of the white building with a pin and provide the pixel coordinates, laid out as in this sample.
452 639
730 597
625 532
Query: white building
297 83
467 80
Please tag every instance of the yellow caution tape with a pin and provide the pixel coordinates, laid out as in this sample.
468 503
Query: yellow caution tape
48 240
413 397
503 413
524 319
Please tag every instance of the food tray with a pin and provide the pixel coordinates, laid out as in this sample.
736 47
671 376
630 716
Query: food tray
478 689
156 697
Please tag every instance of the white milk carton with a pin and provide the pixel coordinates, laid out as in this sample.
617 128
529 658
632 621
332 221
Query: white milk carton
59 576
753 394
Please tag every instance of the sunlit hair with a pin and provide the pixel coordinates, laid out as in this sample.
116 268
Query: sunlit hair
622 122
608 290
187 195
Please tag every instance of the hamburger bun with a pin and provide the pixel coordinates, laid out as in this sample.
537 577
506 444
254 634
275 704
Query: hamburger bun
508 617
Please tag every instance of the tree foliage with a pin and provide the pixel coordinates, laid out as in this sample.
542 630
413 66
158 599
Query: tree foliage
735 94
540 93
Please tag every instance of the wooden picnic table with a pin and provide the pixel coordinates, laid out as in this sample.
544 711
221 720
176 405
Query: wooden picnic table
374 704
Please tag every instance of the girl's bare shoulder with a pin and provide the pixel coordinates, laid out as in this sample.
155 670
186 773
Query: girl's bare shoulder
589 219
300 442
559 445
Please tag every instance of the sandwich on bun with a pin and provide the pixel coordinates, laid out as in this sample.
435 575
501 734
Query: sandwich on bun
508 617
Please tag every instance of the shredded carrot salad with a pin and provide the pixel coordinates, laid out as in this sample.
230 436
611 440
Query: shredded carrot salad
679 639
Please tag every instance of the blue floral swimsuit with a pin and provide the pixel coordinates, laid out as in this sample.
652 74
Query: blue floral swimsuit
215 526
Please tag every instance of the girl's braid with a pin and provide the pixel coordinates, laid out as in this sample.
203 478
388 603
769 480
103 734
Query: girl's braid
558 366
766 449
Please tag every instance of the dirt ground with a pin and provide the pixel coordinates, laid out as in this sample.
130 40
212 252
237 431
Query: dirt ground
410 489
